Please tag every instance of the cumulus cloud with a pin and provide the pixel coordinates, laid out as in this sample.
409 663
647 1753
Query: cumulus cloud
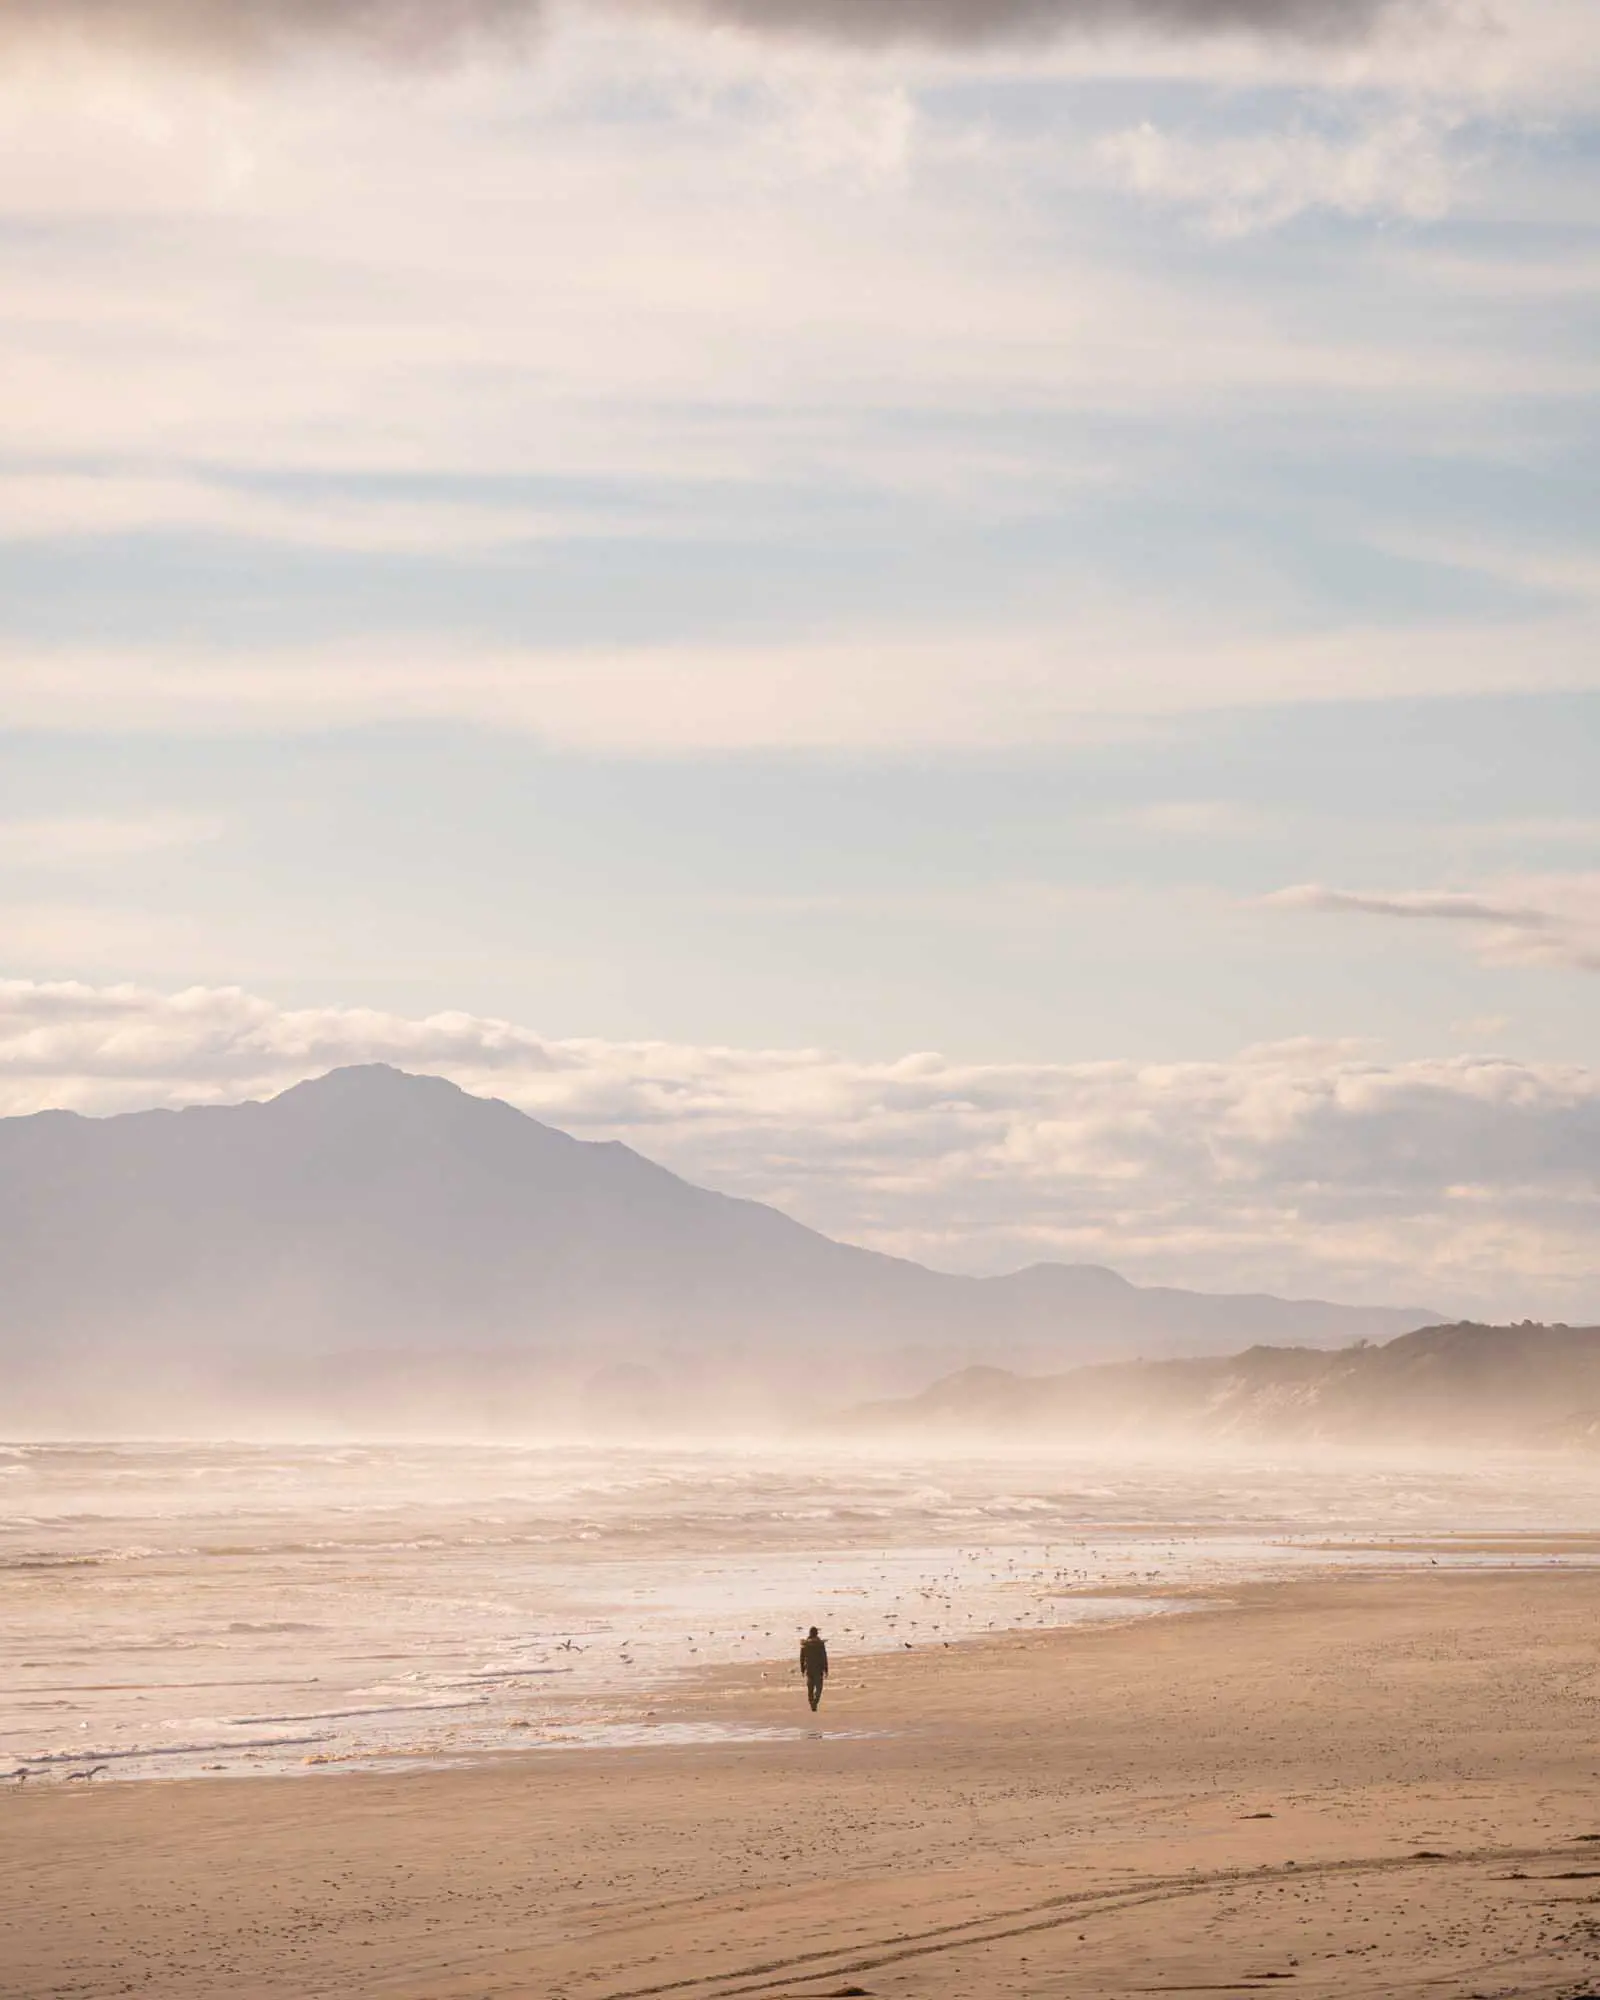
1541 920
413 29
1466 1182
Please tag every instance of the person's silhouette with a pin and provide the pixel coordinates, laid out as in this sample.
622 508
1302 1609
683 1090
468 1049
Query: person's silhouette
814 1665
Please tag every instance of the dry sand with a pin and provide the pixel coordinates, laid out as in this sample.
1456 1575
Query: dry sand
1083 1814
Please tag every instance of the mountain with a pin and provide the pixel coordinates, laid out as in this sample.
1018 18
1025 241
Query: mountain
1444 1385
389 1247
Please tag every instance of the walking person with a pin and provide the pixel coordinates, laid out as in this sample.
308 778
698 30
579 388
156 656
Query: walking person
814 1665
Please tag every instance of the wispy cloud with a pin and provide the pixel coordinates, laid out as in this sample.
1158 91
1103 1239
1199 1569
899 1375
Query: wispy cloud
1417 905
1401 164
1308 1166
88 841
1556 830
887 690
1194 819
60 503
1549 920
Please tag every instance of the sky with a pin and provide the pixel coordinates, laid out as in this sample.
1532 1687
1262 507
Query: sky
980 618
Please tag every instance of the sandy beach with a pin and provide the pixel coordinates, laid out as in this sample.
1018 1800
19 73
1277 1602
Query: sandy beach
1369 1784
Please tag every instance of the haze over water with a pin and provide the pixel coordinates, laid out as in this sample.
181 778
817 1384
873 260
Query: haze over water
175 1609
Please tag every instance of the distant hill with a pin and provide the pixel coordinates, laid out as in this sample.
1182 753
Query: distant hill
1445 1385
375 1247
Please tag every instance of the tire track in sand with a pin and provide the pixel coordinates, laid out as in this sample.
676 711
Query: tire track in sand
1052 1913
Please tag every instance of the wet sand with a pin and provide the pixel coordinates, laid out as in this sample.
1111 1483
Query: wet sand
1073 1814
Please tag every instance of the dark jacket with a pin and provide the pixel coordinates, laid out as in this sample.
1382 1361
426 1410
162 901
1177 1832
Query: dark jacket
813 1659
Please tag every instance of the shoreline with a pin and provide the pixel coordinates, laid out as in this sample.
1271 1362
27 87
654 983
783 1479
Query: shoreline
1247 1790
670 1712
663 1718
211 1611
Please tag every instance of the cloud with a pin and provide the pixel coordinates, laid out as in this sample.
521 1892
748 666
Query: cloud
1398 165
1426 906
39 505
1193 819
410 29
1569 830
987 21
413 30
898 691
87 841
1468 1182
1551 920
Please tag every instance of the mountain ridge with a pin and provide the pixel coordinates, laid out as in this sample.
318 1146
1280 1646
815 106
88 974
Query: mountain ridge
1453 1384
375 1212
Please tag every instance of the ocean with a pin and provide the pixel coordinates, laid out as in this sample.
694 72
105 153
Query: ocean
175 1610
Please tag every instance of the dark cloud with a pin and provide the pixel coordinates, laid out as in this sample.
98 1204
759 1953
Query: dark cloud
1562 929
395 29
421 29
1424 906
974 22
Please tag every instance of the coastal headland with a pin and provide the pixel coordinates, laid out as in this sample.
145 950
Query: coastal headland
1367 1784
